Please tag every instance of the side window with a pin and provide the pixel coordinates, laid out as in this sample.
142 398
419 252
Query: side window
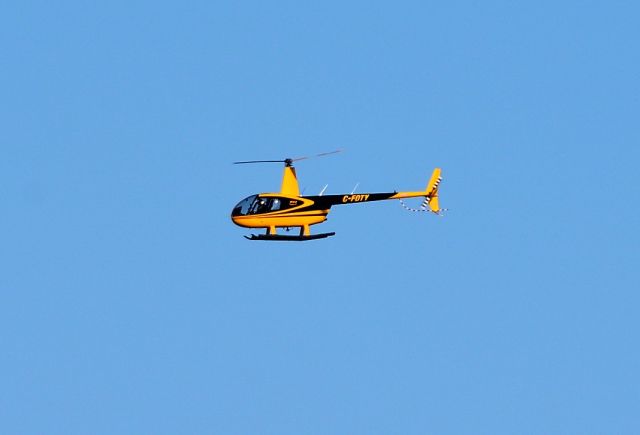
275 204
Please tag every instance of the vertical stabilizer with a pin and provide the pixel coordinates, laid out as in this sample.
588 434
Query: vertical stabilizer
436 178
432 191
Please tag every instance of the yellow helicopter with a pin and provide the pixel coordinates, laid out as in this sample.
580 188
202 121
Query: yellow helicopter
288 209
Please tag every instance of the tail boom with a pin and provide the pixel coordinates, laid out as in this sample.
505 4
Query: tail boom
430 194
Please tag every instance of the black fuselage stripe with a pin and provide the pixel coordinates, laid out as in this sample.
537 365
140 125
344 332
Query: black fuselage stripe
287 215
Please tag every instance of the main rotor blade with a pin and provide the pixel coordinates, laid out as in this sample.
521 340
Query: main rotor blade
259 161
289 161
317 155
339 150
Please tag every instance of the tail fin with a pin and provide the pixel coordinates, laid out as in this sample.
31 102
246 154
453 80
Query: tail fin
431 196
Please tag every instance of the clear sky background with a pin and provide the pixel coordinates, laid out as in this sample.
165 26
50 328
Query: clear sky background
129 302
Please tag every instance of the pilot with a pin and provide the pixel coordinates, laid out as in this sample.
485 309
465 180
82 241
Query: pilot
262 206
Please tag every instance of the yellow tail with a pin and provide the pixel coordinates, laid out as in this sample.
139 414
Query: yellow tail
432 191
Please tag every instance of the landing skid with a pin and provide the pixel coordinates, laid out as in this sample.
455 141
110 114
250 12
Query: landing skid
276 237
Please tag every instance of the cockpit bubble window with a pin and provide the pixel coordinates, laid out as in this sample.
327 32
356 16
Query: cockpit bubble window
243 206
257 205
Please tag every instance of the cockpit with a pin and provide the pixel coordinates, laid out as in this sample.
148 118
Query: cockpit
255 205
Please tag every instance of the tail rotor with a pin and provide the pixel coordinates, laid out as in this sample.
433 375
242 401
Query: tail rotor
431 202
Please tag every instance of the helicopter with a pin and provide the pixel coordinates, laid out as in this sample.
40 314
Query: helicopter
289 209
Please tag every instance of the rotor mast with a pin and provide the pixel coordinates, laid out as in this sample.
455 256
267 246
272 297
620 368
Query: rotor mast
289 180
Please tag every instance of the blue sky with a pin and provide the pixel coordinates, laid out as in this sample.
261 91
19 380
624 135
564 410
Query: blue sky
129 303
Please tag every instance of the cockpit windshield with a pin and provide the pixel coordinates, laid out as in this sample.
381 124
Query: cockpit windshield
244 206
